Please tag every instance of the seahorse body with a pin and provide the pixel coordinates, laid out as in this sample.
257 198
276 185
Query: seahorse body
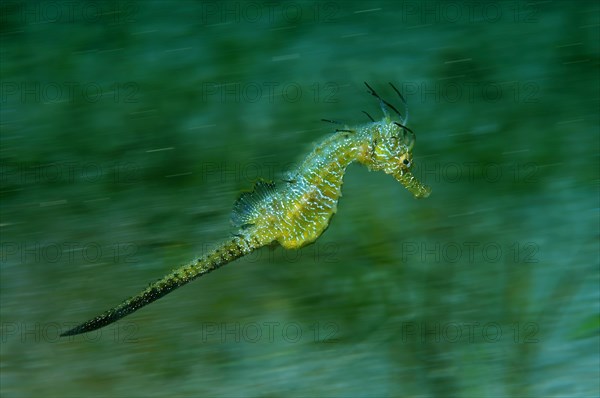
299 210
296 211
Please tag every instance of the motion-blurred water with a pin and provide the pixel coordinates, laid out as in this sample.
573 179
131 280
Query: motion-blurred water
129 128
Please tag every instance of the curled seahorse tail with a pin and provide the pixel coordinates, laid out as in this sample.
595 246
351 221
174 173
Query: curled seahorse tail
229 251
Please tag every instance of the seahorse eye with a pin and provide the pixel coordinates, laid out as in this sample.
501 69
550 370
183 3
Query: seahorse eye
405 160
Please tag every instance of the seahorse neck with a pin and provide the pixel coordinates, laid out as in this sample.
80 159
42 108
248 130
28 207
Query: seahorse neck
332 155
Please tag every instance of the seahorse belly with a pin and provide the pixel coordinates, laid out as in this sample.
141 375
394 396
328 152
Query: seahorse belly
307 213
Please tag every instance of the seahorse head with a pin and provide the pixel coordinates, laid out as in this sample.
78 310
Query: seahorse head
390 146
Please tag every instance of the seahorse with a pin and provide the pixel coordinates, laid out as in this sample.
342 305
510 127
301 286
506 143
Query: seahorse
295 211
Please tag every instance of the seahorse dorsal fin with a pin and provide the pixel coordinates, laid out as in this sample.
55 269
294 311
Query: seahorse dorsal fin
247 203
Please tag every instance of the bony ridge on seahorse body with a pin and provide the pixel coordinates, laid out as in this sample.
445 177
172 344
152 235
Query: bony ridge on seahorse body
296 211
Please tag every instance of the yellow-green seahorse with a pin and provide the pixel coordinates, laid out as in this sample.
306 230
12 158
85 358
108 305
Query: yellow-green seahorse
296 211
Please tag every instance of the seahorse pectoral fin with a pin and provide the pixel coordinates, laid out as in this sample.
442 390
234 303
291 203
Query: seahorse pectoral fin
247 206
413 185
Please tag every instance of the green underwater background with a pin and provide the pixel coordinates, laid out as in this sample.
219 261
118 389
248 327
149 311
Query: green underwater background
128 130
